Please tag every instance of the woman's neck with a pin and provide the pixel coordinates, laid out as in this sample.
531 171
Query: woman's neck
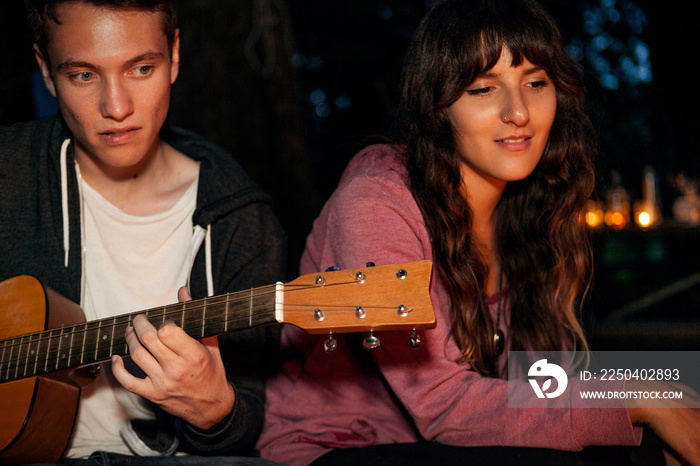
483 195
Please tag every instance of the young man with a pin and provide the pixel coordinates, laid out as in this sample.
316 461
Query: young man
116 210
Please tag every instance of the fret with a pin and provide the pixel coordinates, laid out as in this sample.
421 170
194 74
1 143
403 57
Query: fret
82 344
70 346
226 313
9 359
2 358
6 362
53 357
47 351
111 338
19 356
37 352
250 311
31 354
204 315
119 325
102 346
63 355
90 342
216 322
171 312
190 320
15 348
126 345
28 345
97 342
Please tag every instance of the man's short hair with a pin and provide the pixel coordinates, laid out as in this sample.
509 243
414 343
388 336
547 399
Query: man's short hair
41 13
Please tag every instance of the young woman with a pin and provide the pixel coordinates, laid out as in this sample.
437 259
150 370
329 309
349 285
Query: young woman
495 164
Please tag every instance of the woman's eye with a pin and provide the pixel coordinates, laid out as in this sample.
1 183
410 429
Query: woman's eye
479 91
539 84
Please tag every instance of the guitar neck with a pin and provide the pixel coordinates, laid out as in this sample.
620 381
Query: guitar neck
388 297
92 342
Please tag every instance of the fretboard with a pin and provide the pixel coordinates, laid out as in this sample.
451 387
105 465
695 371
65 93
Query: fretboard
91 342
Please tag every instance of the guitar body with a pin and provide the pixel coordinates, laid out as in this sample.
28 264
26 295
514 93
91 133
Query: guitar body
38 413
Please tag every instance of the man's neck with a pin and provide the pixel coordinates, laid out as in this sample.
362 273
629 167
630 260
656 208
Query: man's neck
152 186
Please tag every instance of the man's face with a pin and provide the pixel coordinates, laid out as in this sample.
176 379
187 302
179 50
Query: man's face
111 73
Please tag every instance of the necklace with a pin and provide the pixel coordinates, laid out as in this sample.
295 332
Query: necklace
498 337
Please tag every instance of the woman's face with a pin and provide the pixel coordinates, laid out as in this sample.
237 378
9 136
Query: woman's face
502 122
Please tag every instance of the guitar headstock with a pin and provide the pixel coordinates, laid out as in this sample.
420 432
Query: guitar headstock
387 297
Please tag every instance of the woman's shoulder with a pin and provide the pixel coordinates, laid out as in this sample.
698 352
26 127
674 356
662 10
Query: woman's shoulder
380 162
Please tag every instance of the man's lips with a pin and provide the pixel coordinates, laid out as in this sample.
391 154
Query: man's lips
117 136
117 131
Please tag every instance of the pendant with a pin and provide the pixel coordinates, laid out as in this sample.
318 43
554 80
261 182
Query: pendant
498 341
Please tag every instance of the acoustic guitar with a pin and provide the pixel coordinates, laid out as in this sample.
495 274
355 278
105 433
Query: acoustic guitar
48 351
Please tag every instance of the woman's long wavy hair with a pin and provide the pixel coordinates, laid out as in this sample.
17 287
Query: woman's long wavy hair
543 250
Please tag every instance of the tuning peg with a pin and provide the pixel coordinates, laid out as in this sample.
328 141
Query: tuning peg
333 268
371 342
369 264
330 344
415 339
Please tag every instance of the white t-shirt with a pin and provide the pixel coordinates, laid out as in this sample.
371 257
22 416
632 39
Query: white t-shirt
130 263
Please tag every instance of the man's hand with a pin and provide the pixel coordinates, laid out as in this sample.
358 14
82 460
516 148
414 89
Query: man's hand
185 377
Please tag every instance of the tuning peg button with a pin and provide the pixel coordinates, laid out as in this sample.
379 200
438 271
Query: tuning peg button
371 342
330 345
333 268
415 339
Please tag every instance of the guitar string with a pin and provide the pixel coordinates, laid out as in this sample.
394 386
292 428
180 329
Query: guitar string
34 362
157 313
216 319
188 306
171 309
174 309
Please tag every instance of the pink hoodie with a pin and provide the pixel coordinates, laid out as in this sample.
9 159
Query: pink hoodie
398 394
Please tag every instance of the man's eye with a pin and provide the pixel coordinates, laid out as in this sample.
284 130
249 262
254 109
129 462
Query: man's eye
83 77
144 70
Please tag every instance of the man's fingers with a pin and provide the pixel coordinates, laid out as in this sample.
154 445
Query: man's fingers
133 384
183 294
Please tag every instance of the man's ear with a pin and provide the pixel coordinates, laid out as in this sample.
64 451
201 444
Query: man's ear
175 57
45 71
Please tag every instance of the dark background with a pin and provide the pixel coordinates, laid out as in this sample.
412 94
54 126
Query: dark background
293 89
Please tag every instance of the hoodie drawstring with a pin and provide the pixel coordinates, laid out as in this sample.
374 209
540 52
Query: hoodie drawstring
199 235
64 201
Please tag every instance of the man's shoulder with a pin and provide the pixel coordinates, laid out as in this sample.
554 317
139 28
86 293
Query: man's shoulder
224 184
27 132
211 155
